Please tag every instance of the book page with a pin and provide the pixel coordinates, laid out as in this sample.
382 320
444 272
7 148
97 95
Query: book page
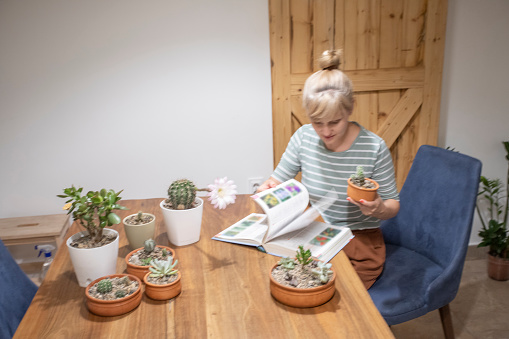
249 230
282 204
306 218
322 239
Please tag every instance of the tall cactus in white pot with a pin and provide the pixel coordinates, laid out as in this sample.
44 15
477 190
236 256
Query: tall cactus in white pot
182 210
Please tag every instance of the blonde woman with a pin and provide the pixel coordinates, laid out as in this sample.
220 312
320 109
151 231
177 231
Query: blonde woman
328 151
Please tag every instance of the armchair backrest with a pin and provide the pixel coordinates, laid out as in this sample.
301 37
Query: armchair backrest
437 205
16 293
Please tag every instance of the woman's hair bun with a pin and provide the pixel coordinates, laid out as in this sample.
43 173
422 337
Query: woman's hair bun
330 60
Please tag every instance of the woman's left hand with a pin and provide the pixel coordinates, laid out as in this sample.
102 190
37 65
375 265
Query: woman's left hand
378 208
373 208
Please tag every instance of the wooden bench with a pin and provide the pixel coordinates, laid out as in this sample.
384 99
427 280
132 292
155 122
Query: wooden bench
34 230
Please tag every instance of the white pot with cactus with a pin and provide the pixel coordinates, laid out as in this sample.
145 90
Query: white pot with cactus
183 210
93 252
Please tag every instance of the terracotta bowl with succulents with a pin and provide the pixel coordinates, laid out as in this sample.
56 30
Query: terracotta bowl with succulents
138 260
302 282
113 295
163 282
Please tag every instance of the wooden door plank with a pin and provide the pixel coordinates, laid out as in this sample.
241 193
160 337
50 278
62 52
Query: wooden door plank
280 71
433 61
382 79
400 116
301 54
323 28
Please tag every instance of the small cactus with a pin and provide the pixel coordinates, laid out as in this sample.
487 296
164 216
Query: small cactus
120 293
358 178
104 286
139 216
181 194
149 245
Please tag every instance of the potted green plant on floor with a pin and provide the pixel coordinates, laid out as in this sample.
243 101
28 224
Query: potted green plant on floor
492 208
138 228
302 282
94 251
182 210
360 187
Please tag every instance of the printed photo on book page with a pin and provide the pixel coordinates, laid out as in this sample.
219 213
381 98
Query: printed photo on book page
283 203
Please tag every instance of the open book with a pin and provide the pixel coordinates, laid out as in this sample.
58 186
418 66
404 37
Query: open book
287 224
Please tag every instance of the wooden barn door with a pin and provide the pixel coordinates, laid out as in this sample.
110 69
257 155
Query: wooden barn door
392 52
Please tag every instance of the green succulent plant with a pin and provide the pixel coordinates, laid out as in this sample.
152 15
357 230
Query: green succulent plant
358 178
93 211
303 257
120 293
287 263
323 272
104 286
162 268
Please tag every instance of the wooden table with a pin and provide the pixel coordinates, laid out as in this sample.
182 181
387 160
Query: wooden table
225 294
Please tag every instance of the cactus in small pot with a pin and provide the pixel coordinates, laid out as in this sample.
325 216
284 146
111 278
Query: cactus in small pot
181 194
361 188
359 179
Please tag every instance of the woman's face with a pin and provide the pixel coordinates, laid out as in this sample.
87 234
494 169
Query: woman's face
332 131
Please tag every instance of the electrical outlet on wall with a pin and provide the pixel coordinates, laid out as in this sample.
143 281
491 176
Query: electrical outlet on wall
253 184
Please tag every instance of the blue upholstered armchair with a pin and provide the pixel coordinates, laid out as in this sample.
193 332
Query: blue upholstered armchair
16 293
428 239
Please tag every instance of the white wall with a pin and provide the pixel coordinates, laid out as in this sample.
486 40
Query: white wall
130 95
475 88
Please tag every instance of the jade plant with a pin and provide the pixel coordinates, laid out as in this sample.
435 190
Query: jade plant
182 193
94 210
493 197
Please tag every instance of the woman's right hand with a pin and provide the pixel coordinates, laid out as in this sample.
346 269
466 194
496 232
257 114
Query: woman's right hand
269 183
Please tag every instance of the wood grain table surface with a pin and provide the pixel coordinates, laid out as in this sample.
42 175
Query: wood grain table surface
225 294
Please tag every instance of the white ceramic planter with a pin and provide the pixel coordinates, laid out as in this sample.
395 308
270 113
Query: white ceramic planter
183 227
137 234
92 263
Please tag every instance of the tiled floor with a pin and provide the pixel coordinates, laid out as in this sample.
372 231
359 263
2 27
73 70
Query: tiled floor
480 309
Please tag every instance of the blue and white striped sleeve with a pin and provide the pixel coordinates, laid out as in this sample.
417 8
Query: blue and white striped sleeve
383 173
290 164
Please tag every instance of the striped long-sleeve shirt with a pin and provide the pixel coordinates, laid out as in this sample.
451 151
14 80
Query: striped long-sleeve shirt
324 170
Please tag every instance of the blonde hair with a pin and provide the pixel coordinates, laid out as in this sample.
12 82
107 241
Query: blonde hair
328 91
